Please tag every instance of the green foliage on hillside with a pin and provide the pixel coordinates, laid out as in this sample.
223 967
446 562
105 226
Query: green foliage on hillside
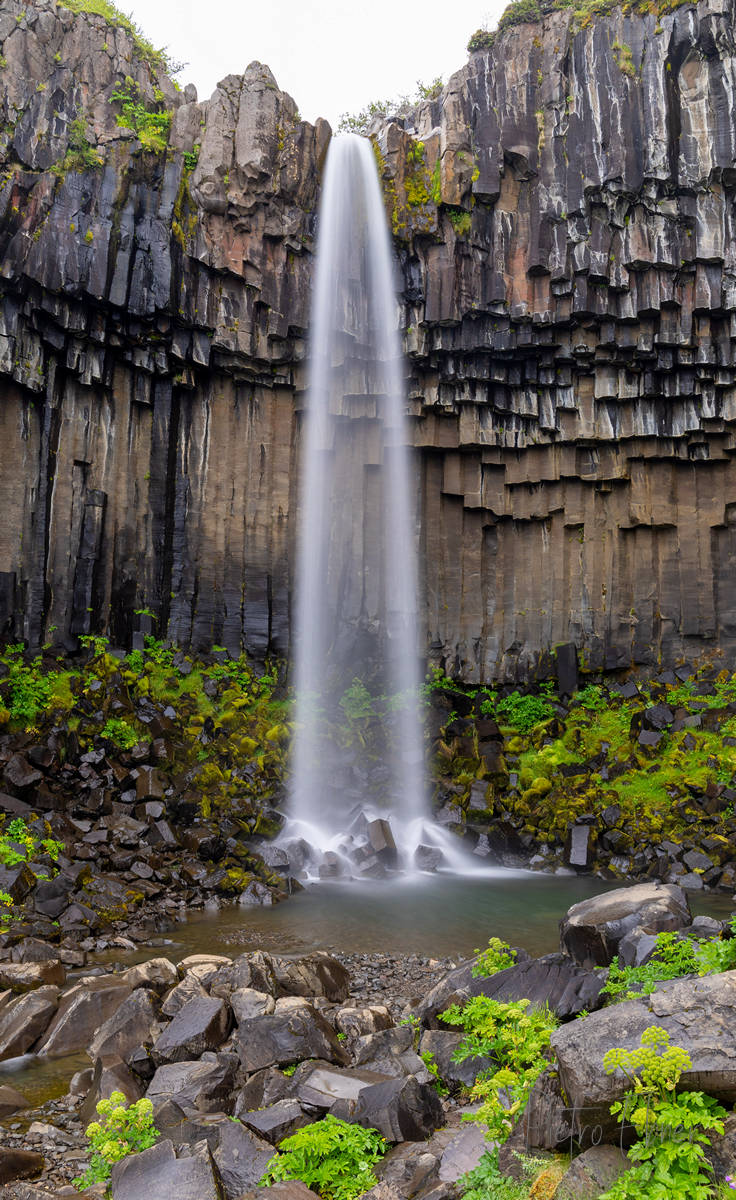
399 106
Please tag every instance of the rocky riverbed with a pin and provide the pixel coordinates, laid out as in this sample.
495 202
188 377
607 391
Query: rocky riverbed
235 1052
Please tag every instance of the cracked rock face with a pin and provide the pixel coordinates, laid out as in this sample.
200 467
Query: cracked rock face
565 223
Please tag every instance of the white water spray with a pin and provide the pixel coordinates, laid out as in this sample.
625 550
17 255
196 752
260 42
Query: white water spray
356 609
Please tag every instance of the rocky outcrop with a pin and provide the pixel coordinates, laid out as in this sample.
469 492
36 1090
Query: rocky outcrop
563 215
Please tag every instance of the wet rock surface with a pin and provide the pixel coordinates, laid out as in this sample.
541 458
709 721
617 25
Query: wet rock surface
564 229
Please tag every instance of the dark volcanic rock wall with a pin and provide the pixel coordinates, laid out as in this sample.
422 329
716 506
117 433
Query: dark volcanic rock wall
566 224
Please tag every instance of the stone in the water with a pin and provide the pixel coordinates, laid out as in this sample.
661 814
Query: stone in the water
25 1020
381 838
427 858
331 866
10 1101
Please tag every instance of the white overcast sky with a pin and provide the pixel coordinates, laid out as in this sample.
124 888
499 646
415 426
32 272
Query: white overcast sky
332 57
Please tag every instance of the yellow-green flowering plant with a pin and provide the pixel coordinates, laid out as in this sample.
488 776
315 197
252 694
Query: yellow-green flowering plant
121 1131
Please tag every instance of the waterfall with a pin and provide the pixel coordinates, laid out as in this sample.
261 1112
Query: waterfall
358 743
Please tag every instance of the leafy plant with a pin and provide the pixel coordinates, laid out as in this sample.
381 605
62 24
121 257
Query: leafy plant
496 957
673 958
672 1129
524 712
718 954
120 733
331 1155
438 1082
151 126
18 844
485 1182
517 1038
121 1131
81 155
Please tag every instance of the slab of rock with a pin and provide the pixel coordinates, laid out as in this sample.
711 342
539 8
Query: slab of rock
112 1075
442 1044
19 1164
463 1153
187 990
721 1153
204 1085
130 1026
357 1022
253 970
591 931
82 1011
202 1024
25 1020
401 1109
25 976
289 1189
698 1014
158 974
325 1085
277 1121
157 1174
247 1004
592 1173
294 1031
241 1158
313 975
10 1101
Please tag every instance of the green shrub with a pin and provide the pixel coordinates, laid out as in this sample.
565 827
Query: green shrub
121 1131
672 1129
120 733
674 957
81 155
151 126
517 1039
496 957
718 954
482 39
486 1182
330 1155
524 712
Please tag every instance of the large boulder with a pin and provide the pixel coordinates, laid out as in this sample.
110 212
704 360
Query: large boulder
157 1174
25 976
591 931
401 1109
204 1085
553 981
241 1157
158 974
82 1011
202 1024
442 1044
316 974
698 1014
11 1101
19 1164
25 1020
294 1031
130 1026
592 1173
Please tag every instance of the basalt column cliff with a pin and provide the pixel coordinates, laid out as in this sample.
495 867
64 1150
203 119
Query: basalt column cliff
565 221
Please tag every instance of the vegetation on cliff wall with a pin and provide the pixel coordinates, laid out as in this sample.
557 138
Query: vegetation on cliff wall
524 12
158 60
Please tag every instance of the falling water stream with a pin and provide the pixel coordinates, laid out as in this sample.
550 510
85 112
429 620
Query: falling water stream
357 592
